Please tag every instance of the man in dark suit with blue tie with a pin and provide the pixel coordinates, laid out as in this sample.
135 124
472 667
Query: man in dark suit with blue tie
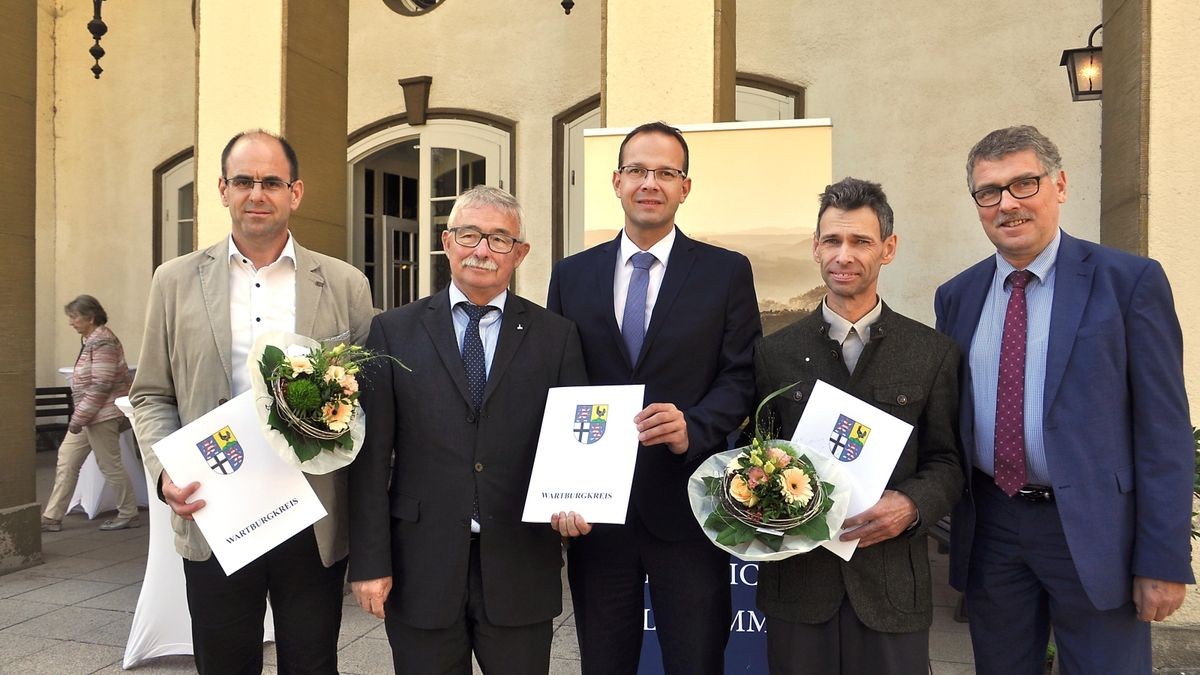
680 316
1075 430
437 545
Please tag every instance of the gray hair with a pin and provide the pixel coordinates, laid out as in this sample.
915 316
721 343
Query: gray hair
849 194
1006 141
486 195
87 307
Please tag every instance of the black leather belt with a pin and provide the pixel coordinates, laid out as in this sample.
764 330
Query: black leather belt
1038 494
1034 494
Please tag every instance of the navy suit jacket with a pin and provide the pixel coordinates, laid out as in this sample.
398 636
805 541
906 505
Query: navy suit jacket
698 354
1118 440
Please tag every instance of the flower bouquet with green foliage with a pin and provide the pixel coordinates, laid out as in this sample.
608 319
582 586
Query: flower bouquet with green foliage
309 392
770 499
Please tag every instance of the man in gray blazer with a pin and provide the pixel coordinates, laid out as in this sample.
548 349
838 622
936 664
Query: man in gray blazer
871 614
204 312
437 546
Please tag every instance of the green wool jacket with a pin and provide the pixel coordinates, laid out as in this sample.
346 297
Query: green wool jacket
910 371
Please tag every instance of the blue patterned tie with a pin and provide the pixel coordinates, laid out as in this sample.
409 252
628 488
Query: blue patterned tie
472 352
633 322
1009 452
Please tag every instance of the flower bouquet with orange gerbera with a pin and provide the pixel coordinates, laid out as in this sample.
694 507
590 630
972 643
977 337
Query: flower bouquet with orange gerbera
309 398
770 499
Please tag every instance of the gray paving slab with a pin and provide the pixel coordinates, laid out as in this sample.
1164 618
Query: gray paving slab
71 546
68 592
66 658
14 647
163 665
65 623
69 567
943 668
950 647
565 644
123 599
13 612
120 551
23 582
128 572
132 534
943 620
114 634
563 666
356 622
365 656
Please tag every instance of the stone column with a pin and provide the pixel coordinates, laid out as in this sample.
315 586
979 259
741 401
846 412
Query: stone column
1173 176
680 50
278 65
20 536
1150 177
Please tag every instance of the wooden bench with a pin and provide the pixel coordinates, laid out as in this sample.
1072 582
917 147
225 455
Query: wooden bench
56 405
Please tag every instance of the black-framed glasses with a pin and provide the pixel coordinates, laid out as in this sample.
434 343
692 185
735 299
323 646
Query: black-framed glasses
661 175
1021 188
246 184
470 237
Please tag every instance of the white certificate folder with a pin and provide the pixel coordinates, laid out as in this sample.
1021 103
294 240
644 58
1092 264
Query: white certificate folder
254 500
586 454
866 440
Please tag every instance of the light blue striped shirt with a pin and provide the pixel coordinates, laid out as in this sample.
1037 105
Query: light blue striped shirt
489 325
985 362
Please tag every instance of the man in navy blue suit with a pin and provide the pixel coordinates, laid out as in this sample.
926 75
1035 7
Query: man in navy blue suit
1075 428
680 316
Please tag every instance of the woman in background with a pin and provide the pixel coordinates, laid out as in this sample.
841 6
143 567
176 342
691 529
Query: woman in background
100 377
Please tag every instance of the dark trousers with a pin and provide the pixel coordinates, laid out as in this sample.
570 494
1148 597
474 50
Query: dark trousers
515 650
227 611
843 646
689 593
1022 581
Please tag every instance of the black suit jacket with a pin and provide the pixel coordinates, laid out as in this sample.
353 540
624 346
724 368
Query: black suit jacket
418 529
911 372
698 354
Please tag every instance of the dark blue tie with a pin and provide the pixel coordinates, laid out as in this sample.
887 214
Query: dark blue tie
472 352
633 321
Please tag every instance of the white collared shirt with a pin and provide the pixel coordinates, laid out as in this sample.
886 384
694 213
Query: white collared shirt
852 336
661 251
260 300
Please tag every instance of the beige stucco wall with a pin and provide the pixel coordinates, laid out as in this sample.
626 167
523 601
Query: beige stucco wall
639 34
240 59
1174 174
908 92
525 63
910 88
96 155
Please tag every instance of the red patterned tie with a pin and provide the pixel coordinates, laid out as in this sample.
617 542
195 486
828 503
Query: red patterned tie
1010 391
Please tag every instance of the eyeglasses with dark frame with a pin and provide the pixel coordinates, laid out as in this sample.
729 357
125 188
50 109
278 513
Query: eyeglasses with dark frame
667 175
1021 188
498 243
246 184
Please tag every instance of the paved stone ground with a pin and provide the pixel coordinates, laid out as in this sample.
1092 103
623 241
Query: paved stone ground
72 614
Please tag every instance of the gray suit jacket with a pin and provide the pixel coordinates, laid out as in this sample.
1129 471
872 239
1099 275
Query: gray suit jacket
909 371
428 453
185 369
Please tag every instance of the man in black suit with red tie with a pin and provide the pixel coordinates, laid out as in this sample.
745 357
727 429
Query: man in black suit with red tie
654 307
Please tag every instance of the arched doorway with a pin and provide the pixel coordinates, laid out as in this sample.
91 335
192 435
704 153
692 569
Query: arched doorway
403 182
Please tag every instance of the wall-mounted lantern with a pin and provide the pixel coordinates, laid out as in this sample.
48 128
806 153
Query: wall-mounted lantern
1085 70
